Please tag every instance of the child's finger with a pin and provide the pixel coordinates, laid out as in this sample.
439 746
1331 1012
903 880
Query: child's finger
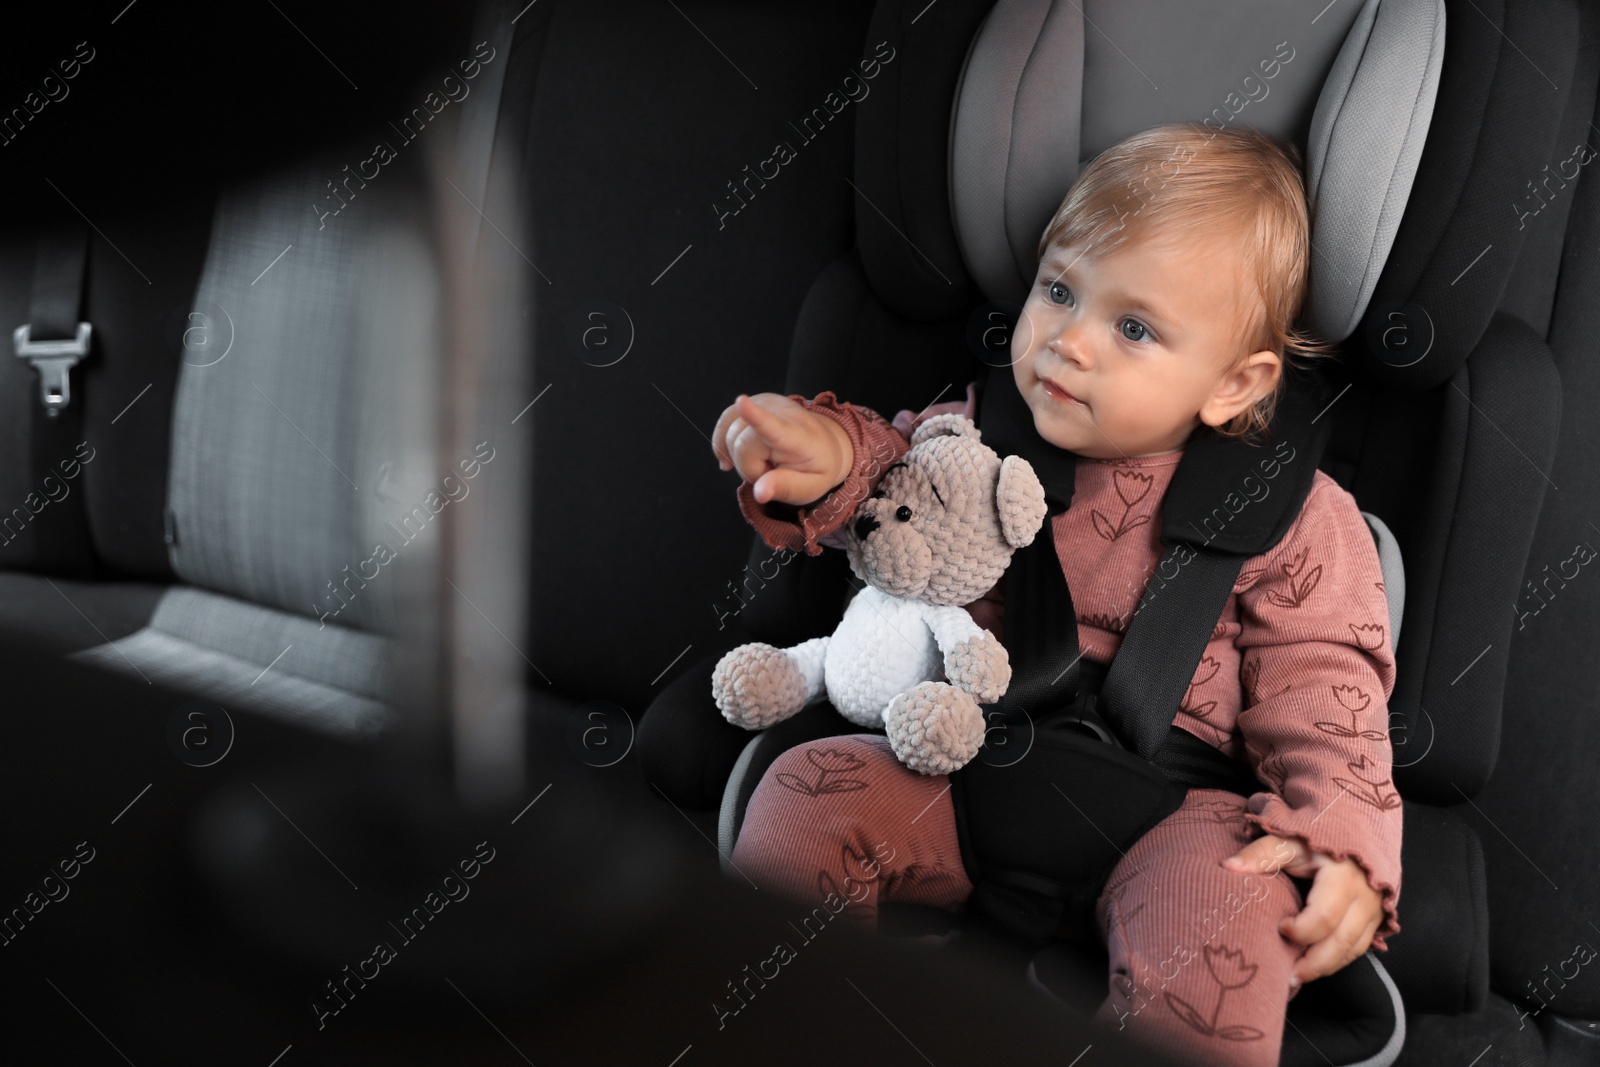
1253 857
730 438
773 428
784 483
721 433
1333 952
1325 909
1268 854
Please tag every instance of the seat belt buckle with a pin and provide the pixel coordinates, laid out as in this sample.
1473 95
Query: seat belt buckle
54 361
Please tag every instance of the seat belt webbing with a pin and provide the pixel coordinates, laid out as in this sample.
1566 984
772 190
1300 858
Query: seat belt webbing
58 283
53 341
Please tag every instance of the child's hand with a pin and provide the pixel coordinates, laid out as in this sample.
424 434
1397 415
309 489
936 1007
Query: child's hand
1342 910
788 453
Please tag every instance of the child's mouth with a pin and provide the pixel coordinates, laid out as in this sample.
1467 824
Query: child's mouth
1055 392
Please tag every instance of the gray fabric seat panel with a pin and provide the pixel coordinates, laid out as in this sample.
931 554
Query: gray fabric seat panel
1364 148
1036 78
327 654
248 657
298 452
294 453
1394 574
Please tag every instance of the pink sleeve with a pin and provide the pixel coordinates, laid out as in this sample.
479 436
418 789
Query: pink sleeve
1318 672
876 444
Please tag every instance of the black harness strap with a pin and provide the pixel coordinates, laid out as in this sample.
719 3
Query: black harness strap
1044 651
1211 522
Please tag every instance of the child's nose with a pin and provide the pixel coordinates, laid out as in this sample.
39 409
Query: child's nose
1070 346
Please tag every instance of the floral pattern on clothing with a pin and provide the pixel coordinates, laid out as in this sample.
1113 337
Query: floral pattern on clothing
1132 488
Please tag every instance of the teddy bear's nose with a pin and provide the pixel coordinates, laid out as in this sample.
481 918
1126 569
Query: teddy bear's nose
865 525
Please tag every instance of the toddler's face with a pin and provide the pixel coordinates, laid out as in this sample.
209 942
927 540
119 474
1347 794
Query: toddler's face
1142 338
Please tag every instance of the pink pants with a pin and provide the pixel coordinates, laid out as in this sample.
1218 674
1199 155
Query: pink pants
1198 968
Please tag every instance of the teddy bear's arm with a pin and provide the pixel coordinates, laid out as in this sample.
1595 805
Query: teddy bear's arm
810 656
974 659
756 685
950 626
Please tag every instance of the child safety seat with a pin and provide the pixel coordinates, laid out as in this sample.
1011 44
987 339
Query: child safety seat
949 215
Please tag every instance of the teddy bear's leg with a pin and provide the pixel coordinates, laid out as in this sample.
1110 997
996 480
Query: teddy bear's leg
756 685
934 727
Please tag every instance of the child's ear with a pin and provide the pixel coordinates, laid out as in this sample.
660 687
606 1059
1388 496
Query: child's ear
1252 378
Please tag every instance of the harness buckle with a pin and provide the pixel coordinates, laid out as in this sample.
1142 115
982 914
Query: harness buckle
54 361
1084 714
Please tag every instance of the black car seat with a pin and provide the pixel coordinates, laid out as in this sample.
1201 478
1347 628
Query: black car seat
1388 272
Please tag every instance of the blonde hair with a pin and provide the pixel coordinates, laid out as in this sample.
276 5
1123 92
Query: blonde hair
1188 178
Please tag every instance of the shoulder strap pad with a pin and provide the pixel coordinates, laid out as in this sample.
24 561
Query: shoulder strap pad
1215 499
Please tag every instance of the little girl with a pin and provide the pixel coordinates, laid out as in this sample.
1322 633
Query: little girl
1169 281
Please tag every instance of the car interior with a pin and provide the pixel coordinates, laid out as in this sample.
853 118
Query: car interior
358 503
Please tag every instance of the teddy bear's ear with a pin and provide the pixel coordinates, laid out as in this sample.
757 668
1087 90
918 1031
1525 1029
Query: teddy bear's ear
948 423
1019 499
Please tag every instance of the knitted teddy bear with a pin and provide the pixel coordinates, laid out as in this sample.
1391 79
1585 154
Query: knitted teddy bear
937 533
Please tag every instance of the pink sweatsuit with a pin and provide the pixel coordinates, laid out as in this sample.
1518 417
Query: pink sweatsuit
1295 680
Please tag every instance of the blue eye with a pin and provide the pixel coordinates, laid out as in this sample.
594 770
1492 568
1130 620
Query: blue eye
1050 290
1144 332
